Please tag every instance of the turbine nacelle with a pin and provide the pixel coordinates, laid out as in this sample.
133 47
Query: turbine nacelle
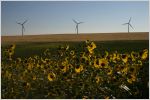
77 22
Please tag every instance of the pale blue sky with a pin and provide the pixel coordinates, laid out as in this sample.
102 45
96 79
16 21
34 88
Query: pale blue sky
55 17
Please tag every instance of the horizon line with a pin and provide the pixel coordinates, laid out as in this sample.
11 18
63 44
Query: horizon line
75 33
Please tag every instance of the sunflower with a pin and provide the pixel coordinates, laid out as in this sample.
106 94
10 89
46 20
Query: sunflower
78 68
41 65
109 71
114 57
106 54
67 47
87 41
103 63
98 79
133 69
134 55
10 53
144 54
70 66
124 58
63 68
110 58
64 65
131 79
19 60
72 52
124 70
91 47
96 63
12 46
84 56
118 57
51 76
46 60
140 62
36 57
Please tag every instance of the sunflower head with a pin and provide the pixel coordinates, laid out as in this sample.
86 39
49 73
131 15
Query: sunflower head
144 54
63 68
106 54
109 71
134 55
72 52
91 46
11 52
124 70
67 47
131 78
13 46
103 63
124 58
133 69
87 41
78 68
114 57
98 79
51 76
96 63
18 60
90 49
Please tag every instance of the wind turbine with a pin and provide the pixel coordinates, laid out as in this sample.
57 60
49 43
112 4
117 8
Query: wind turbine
77 23
129 25
22 26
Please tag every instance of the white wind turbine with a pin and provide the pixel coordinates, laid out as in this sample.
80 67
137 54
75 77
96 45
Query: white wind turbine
129 25
77 23
22 26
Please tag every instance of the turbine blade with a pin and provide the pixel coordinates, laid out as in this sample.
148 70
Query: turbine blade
129 19
124 23
74 21
18 23
80 22
24 22
130 26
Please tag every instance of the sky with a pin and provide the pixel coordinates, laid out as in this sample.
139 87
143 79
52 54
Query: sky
55 17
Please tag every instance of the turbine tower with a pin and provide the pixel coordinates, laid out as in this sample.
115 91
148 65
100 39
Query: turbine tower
22 26
129 25
77 23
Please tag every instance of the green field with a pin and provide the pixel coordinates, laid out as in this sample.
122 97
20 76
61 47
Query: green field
33 48
108 71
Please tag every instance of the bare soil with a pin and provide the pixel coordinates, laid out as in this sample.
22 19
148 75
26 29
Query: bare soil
75 37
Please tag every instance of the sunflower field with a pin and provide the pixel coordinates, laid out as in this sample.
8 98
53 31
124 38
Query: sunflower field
75 73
